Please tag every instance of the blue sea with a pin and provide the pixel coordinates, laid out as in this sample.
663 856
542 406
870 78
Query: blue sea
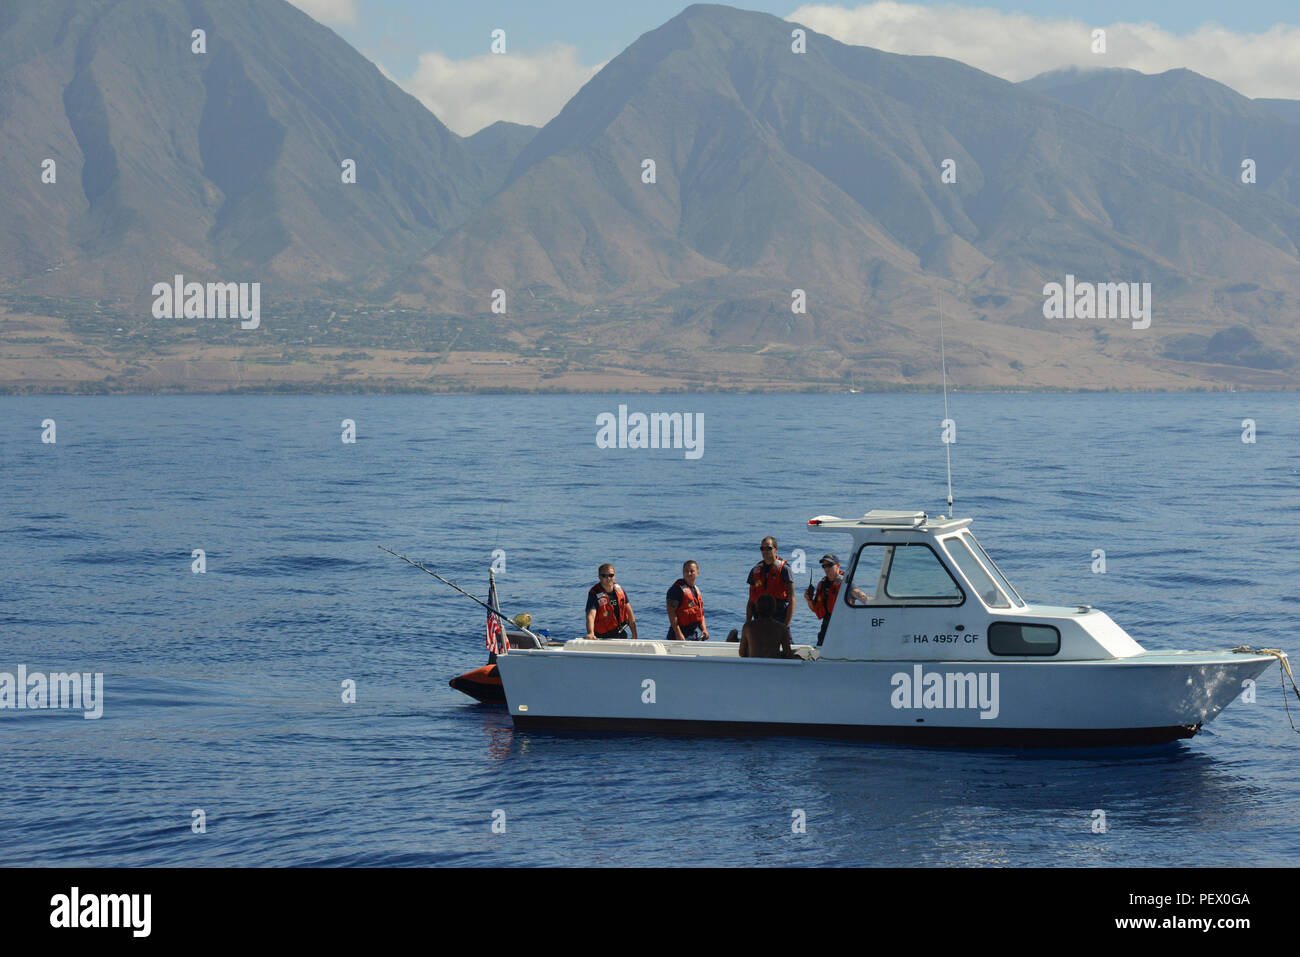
222 689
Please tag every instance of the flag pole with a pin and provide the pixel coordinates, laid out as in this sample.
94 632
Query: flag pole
502 642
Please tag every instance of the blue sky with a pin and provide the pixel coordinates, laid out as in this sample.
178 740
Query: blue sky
439 51
397 31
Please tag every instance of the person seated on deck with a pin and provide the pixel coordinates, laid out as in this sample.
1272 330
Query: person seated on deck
609 613
766 636
686 607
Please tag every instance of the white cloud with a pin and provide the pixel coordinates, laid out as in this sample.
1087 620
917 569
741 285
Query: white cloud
328 11
470 94
1016 46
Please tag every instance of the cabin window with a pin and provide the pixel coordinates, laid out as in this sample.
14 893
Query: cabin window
1014 638
863 583
910 574
965 559
997 572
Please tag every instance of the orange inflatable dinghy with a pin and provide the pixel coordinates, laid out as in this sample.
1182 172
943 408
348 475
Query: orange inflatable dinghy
481 684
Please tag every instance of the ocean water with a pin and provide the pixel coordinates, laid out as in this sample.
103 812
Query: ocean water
222 690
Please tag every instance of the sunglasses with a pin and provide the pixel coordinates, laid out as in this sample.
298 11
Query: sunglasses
607 575
766 548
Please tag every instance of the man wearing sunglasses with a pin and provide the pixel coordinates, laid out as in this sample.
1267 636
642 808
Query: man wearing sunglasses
772 577
609 613
821 600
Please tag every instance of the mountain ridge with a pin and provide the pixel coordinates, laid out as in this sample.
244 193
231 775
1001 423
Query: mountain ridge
222 160
777 175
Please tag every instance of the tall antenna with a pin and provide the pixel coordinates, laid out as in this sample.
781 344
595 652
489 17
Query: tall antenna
943 362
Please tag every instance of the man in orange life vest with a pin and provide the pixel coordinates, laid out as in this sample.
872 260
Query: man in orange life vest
821 600
609 613
772 577
686 607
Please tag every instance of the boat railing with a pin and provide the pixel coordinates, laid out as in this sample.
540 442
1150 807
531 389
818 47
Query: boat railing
685 649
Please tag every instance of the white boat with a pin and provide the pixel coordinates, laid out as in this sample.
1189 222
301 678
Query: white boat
928 642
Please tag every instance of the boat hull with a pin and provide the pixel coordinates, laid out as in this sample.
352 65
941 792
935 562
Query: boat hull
928 735
1145 699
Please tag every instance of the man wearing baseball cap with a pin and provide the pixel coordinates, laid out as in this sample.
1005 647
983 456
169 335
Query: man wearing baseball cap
821 600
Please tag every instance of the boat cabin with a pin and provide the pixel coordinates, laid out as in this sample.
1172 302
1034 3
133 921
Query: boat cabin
917 587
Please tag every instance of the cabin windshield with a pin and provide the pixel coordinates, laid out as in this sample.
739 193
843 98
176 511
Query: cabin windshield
905 574
980 580
996 572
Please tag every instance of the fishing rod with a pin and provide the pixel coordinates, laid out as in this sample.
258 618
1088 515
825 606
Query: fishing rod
495 611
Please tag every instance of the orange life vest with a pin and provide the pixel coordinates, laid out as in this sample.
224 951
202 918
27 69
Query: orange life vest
691 610
610 613
824 600
769 582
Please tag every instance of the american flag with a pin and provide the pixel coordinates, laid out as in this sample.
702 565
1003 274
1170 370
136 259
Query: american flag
496 639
